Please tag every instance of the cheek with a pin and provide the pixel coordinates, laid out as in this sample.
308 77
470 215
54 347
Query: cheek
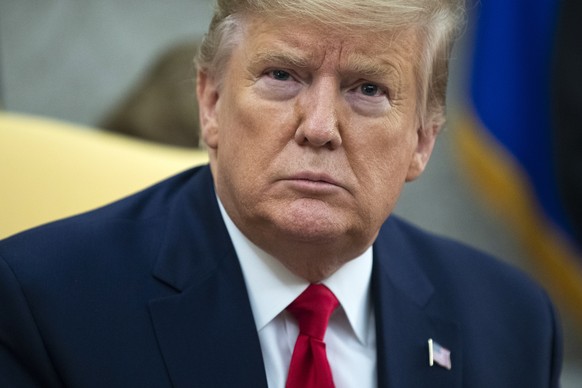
386 174
380 159
252 134
258 122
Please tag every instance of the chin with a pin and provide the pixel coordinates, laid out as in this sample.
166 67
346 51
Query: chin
318 224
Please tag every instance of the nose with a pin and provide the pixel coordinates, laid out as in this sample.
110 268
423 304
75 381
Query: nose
319 125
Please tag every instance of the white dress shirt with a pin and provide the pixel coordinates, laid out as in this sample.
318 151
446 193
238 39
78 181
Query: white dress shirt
350 337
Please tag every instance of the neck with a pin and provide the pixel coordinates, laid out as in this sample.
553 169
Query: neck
312 262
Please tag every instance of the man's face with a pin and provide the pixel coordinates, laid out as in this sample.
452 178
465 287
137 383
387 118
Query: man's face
313 133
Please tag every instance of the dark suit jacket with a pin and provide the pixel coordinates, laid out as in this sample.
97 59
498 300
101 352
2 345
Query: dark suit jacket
148 292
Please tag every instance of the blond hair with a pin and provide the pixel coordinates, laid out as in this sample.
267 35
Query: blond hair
438 23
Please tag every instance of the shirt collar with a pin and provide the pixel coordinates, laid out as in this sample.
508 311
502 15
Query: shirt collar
272 287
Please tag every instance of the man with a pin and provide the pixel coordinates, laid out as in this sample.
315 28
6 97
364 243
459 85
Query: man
315 114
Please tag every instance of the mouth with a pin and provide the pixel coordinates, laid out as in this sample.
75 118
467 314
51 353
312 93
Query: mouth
314 182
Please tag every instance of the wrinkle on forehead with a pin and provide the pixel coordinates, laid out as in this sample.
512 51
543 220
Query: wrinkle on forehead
385 56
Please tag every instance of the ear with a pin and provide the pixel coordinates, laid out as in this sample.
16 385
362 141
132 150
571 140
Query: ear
207 93
426 138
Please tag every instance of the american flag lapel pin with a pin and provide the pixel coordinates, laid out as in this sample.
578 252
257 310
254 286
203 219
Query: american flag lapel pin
438 355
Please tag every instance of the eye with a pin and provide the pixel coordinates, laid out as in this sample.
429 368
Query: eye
371 90
280 75
368 98
278 85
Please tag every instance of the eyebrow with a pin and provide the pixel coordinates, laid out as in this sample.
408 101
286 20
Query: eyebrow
360 65
368 67
287 58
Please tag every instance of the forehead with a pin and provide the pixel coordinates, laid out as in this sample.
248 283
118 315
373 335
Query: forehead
307 44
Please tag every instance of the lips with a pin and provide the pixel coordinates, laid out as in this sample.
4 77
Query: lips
315 178
313 183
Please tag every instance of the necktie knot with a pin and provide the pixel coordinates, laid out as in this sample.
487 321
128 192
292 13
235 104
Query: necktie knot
309 367
312 310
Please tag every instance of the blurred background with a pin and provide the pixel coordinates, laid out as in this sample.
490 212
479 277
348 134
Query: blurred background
126 67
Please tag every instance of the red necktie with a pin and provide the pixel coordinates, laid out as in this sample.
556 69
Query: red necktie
309 367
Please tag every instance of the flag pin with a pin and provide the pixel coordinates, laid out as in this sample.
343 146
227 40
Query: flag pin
438 355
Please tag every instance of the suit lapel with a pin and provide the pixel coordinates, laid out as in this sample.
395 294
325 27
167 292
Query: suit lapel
406 318
205 328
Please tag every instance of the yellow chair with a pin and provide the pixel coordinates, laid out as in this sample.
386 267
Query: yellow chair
51 169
